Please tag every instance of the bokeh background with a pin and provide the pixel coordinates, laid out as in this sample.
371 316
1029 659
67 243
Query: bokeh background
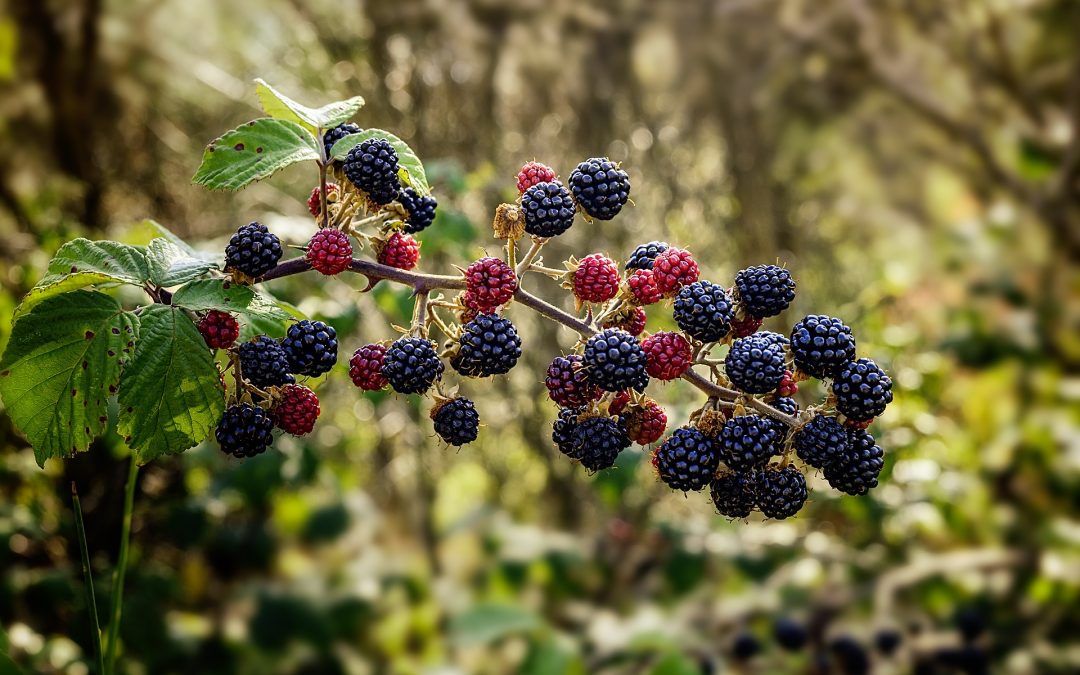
915 164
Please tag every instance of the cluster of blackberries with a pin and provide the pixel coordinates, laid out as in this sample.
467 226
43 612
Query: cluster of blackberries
598 188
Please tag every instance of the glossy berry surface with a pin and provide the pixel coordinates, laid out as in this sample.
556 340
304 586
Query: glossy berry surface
456 421
764 290
821 345
747 442
862 390
600 187
311 347
253 250
642 289
400 250
668 355
489 345
675 268
244 430
631 320
489 283
532 173
297 410
820 441
755 364
781 493
597 442
264 363
548 209
372 167
568 383
219 329
411 365
329 252
855 471
419 209
596 279
616 361
643 257
732 494
365 367
704 311
644 422
687 460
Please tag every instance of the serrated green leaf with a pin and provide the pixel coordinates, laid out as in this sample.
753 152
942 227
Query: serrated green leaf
81 262
147 230
254 151
170 394
60 367
486 623
207 294
276 104
410 168
171 266
674 663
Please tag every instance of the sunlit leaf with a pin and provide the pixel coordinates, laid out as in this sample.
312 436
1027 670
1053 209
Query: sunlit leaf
254 151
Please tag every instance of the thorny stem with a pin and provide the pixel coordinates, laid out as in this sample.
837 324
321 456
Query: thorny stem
420 314
533 251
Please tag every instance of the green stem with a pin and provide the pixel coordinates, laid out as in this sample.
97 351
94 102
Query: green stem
121 565
88 579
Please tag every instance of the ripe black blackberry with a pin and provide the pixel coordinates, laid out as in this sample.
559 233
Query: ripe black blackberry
850 657
456 421
747 442
790 634
597 442
245 430
862 390
821 441
411 365
644 255
337 133
311 347
764 290
704 311
788 406
253 250
781 492
600 187
856 470
687 460
562 432
821 345
755 363
733 494
263 362
745 647
421 210
548 209
489 345
616 361
372 167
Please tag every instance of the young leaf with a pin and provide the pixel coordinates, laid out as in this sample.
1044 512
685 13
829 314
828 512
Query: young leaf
60 367
81 263
170 265
254 151
411 169
170 394
276 104
207 294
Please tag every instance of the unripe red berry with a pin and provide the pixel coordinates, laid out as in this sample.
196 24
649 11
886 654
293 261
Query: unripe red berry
618 404
857 424
596 278
490 282
365 367
645 422
630 320
787 386
329 251
314 202
533 173
297 409
675 268
747 325
400 251
642 288
219 329
667 355
470 308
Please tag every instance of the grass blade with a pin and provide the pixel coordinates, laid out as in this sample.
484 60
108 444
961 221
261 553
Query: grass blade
88 577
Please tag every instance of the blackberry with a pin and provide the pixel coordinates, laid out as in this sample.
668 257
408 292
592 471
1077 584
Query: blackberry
862 390
456 421
568 383
687 460
704 311
781 492
747 442
733 494
411 365
597 442
755 363
641 288
562 432
400 250
667 355
849 655
745 647
490 282
644 255
489 345
788 406
263 362
253 250
790 634
297 410
372 167
548 209
821 345
616 361
339 132
329 251
421 210
365 367
600 187
887 640
244 430
644 422
311 347
595 278
821 441
219 329
856 470
764 290
314 202
532 173
675 268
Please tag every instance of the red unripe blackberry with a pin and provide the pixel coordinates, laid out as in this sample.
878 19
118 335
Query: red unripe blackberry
668 355
400 251
470 308
645 422
533 173
675 268
596 278
642 288
314 202
329 251
489 283
365 367
567 382
630 320
219 329
787 387
296 411
619 402
747 325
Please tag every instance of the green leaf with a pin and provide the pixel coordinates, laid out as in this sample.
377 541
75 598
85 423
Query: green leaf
81 262
410 168
207 294
170 265
254 151
489 622
60 367
276 104
674 663
148 230
170 394
548 657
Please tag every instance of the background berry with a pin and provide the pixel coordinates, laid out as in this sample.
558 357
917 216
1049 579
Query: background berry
219 329
747 442
372 166
489 345
596 279
263 362
568 383
642 289
644 422
597 442
562 433
644 255
456 421
400 250
548 209
311 348
329 251
755 364
787 386
420 209
365 367
296 411
600 187
790 634
253 250
687 460
764 290
733 494
244 430
339 132
314 202
862 390
675 268
616 361
746 325
788 406
411 365
821 345
490 282
781 493
704 311
668 355
855 471
532 173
